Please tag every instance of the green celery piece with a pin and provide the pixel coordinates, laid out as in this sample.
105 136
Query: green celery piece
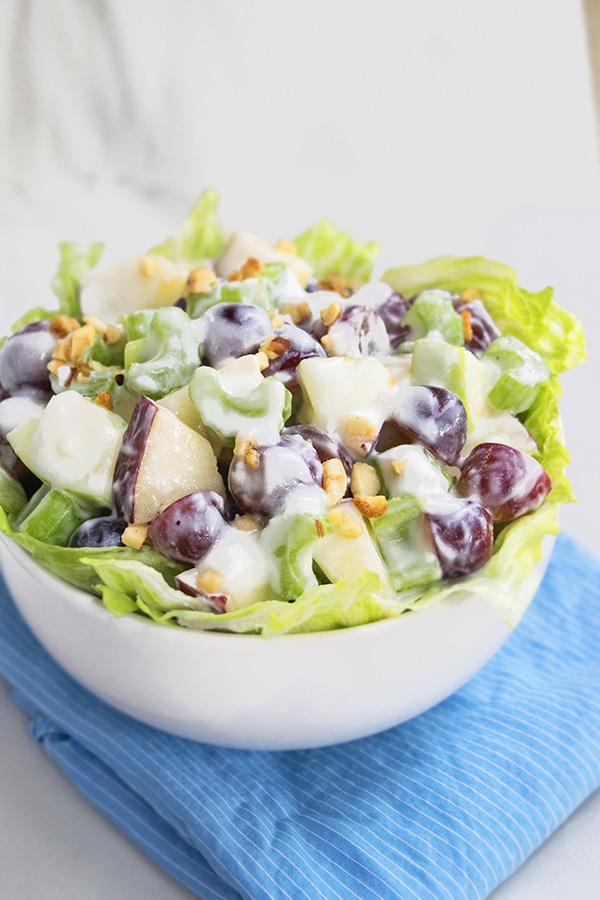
400 535
201 236
55 516
76 260
289 540
433 311
166 357
522 370
333 252
269 405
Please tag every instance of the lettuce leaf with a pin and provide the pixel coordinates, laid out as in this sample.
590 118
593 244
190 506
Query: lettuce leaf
330 251
201 236
74 565
76 260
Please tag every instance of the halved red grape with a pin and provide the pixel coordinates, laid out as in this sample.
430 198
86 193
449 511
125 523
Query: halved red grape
505 480
292 344
24 359
481 328
463 536
326 445
261 481
392 311
187 529
435 417
230 330
360 331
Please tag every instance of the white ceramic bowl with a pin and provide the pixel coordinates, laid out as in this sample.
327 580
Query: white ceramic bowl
249 692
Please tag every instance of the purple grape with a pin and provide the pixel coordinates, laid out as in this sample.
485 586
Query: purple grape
104 531
327 446
435 417
392 311
261 480
292 344
360 331
231 330
483 328
24 359
503 479
187 529
463 537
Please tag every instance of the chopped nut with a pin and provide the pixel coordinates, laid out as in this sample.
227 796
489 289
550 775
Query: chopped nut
112 335
104 399
298 312
371 507
246 449
63 325
364 481
134 536
210 581
54 365
335 480
284 246
466 324
263 360
97 324
398 466
81 370
342 286
73 346
471 294
360 433
235 275
331 313
147 267
347 524
200 280
246 523
252 268
274 346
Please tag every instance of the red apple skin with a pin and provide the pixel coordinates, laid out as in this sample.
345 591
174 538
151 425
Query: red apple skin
130 458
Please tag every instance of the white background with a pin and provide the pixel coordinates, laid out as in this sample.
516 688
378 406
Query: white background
432 127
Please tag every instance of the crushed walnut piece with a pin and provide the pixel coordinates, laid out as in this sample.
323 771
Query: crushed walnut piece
274 346
246 449
298 312
371 507
246 522
466 324
72 347
335 480
331 313
200 280
345 287
63 325
364 481
134 536
104 399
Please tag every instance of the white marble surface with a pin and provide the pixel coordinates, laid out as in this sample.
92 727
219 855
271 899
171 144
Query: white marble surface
461 128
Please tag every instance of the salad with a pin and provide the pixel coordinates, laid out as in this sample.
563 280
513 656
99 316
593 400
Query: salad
232 435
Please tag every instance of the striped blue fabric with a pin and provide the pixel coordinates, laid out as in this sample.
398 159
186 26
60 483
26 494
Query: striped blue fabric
445 806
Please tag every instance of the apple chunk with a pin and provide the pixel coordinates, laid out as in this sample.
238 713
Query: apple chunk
160 460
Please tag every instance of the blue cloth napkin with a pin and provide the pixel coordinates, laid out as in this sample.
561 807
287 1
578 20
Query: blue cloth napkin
445 806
